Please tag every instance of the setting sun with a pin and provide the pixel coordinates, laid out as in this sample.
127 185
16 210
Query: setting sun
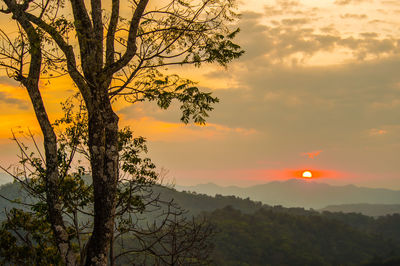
307 174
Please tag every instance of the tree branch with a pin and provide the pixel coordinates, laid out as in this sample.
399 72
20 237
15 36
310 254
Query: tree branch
112 27
132 46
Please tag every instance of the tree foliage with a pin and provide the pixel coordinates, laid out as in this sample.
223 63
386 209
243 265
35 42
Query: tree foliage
109 55
147 228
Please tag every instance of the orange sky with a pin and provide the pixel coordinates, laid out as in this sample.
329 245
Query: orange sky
318 88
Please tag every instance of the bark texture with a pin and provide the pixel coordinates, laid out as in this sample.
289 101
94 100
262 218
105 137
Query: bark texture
103 146
103 122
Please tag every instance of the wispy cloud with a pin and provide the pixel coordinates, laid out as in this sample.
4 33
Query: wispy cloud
5 98
157 130
311 154
354 16
377 132
347 2
8 81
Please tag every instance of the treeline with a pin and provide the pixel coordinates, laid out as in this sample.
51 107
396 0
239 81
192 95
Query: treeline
273 236
250 233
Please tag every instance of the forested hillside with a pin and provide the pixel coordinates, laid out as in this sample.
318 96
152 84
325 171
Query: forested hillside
271 237
250 233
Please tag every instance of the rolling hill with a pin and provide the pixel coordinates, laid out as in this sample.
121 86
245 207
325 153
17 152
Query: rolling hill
250 233
374 210
301 193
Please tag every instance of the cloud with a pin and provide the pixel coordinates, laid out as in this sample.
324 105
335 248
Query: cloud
377 132
308 79
295 21
387 104
390 131
156 130
302 107
354 16
253 35
347 2
8 81
281 7
21 104
294 34
306 42
311 154
287 3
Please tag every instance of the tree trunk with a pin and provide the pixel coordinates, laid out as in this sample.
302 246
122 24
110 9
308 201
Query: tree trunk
103 147
52 177
31 83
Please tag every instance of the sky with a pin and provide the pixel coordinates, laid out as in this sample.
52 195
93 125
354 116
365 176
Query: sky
318 89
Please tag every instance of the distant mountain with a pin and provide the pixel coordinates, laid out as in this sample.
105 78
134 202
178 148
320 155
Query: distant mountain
5 178
292 193
365 208
11 191
301 193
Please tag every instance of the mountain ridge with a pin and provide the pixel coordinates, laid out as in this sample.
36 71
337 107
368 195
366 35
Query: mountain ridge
374 210
301 193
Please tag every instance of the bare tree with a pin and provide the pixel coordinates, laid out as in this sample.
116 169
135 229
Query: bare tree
124 57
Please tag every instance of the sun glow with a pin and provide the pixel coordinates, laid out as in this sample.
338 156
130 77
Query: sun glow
307 174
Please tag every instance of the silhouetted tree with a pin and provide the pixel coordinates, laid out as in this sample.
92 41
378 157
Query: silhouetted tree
114 57
147 228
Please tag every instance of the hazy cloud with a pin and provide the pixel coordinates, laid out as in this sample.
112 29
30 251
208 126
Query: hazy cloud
296 39
354 16
390 2
158 130
4 98
377 132
347 2
296 21
8 81
288 3
349 108
289 8
312 154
